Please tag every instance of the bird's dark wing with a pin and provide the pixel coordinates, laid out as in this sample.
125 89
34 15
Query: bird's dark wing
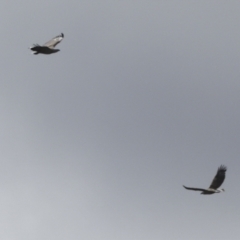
219 178
194 189
53 42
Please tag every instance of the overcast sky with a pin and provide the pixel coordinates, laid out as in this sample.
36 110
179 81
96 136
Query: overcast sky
98 139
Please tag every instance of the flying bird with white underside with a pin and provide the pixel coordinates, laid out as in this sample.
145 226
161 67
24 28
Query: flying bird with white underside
48 47
216 183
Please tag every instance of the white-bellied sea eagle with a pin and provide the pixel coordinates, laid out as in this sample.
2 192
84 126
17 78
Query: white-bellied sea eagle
216 183
48 47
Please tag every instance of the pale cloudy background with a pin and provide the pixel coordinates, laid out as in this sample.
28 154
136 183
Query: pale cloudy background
97 140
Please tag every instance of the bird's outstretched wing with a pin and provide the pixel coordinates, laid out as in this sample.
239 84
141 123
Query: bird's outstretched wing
53 42
219 178
194 189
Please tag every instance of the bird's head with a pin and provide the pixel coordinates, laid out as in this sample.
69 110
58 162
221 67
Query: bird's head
220 190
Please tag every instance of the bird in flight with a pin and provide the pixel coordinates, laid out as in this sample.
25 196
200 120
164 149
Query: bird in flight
216 183
48 47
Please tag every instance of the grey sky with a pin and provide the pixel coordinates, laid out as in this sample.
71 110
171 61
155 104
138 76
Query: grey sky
97 139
